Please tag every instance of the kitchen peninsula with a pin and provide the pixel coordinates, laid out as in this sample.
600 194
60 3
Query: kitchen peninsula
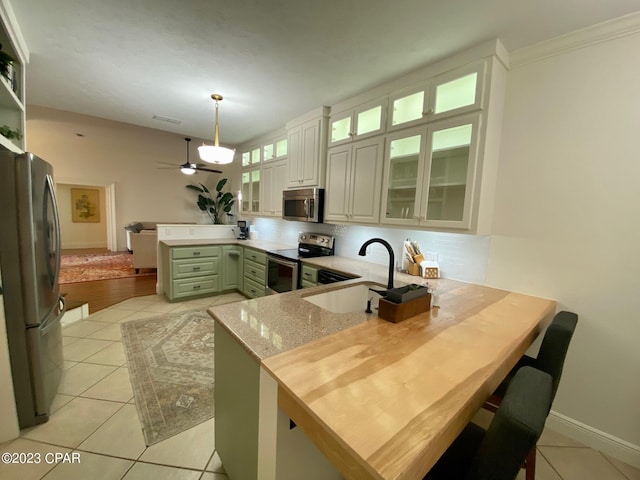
378 400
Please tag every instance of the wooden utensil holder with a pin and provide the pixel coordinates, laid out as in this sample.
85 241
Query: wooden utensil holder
413 269
397 312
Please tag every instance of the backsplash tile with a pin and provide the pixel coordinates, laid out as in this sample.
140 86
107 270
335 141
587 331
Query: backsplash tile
461 256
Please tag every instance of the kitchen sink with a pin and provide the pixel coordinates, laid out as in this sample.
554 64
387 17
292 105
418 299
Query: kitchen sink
347 300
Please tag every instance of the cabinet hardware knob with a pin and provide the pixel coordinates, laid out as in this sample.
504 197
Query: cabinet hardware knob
196 287
195 269
196 253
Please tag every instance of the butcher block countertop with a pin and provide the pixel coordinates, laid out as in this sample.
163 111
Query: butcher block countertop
384 400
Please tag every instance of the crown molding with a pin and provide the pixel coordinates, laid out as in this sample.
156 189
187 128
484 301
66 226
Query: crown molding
585 37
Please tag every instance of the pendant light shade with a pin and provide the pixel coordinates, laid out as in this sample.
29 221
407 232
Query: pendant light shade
216 153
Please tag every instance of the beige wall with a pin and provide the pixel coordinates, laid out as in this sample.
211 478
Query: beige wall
566 219
127 156
80 234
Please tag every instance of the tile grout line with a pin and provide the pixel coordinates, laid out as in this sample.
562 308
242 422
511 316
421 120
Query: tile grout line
550 464
614 465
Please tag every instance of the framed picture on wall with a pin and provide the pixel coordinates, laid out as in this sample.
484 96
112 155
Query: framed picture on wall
85 205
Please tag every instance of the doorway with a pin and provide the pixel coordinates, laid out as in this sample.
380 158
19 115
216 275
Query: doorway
87 215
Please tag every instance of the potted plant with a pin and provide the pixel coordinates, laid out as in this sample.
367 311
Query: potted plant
6 64
216 205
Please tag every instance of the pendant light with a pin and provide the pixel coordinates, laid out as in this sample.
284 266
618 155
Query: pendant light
188 168
216 153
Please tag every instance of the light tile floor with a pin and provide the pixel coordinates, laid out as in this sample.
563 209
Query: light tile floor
95 418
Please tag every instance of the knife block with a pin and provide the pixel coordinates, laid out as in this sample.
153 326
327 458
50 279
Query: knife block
397 312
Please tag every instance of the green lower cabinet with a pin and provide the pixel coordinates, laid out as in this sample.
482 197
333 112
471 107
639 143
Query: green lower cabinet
232 261
253 436
308 276
254 273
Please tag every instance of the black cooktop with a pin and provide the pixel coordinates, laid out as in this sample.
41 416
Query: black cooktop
288 254
309 245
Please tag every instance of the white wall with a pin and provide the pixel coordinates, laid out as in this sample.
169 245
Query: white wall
566 219
126 155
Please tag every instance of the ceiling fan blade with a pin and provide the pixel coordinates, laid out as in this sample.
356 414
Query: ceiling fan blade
202 169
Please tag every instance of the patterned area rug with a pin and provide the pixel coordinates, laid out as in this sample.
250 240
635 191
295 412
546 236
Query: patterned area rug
99 266
170 361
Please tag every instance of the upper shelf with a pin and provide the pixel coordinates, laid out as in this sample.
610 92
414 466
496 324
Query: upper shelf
8 98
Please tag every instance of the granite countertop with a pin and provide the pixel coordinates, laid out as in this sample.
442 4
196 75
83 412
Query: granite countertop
257 244
273 324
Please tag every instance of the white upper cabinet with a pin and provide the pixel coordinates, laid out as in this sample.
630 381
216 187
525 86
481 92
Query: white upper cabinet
452 93
307 140
429 174
274 180
354 175
274 150
355 124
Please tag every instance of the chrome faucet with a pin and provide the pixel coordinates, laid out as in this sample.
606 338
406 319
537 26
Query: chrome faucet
363 252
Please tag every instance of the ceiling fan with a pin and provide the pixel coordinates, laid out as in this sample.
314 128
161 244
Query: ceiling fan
189 168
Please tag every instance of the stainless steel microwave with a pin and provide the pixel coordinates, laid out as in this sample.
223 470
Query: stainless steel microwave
303 205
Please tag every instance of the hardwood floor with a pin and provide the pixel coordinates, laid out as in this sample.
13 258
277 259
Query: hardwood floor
100 294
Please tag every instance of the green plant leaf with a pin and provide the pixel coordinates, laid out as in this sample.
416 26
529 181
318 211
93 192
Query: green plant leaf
204 188
221 184
194 187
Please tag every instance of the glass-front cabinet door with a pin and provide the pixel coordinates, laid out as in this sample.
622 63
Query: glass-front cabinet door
456 92
452 93
408 108
251 191
404 166
452 146
268 152
274 150
429 172
281 148
363 121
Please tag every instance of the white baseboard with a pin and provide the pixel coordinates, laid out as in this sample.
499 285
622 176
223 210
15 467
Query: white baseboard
594 438
75 315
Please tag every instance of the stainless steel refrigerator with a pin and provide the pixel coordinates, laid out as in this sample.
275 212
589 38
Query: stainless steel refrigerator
30 260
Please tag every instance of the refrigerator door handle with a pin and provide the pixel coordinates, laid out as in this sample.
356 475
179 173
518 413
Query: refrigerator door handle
50 193
52 320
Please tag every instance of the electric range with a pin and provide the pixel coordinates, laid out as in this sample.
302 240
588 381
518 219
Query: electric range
283 266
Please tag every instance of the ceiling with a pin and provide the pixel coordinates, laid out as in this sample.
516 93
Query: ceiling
272 60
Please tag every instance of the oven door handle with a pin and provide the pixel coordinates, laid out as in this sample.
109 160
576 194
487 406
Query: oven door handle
286 263
305 202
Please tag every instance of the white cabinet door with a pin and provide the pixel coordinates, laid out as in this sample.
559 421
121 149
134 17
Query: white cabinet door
304 154
336 203
310 160
354 180
366 180
266 191
274 180
294 139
